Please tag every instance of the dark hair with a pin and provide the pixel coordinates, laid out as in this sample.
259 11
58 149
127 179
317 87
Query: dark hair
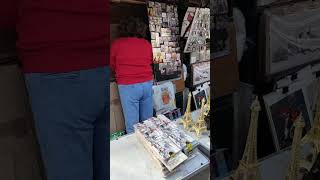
133 27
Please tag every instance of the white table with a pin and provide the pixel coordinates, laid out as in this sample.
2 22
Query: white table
204 139
130 160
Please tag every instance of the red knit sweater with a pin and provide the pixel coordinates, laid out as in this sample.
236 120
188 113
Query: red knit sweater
62 36
131 60
8 14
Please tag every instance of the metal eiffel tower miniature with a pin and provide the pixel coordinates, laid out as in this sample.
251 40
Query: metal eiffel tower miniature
200 125
207 107
248 166
313 135
187 117
294 166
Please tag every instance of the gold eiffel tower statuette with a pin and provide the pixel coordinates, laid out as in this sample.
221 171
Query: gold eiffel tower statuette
294 166
187 117
207 107
248 166
313 136
200 125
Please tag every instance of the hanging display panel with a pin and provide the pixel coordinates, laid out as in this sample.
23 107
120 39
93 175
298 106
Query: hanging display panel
165 34
292 37
199 31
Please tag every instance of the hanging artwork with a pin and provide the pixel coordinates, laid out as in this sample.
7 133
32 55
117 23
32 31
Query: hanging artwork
164 97
199 31
200 73
292 37
221 37
164 29
283 110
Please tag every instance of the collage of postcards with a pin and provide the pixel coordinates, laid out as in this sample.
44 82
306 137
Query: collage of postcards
165 34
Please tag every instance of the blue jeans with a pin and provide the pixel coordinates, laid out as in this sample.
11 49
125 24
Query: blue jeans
137 104
71 112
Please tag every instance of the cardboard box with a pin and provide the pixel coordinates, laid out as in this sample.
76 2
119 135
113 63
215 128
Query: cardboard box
19 152
116 114
180 85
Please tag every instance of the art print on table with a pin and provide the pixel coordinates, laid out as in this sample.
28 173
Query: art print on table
198 95
163 21
200 73
164 97
283 110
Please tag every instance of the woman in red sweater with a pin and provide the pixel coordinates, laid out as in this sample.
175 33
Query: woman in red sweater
131 61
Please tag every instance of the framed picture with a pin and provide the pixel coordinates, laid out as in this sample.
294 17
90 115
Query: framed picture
291 39
283 109
198 95
200 73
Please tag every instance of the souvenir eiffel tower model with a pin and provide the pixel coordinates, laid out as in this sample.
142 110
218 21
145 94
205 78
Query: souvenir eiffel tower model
248 166
294 166
207 107
187 117
200 125
313 135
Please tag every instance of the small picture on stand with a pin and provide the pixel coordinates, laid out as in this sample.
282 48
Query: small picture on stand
198 95
283 110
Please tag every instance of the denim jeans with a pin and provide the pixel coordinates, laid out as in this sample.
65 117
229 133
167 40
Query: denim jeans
71 112
137 104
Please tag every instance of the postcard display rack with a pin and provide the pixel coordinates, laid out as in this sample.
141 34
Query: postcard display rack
169 145
164 29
